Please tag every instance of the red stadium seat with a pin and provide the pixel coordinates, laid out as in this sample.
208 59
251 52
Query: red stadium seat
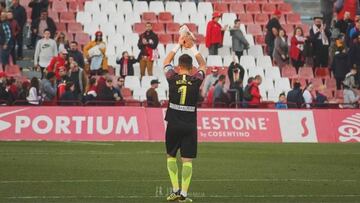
268 8
67 17
75 28
149 17
165 17
172 28
75 6
12 70
254 29
237 8
59 6
339 94
126 93
328 93
330 83
293 18
221 7
61 27
261 19
322 73
289 72
289 29
282 19
253 8
82 38
276 1
246 19
305 28
158 28
302 82
54 16
260 39
285 8
176 37
139 27
192 27
317 82
200 39
261 1
165 38
306 73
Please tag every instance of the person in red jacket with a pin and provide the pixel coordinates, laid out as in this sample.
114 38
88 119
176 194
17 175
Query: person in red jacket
214 34
350 6
255 92
297 48
57 62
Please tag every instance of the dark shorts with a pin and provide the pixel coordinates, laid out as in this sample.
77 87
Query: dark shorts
183 138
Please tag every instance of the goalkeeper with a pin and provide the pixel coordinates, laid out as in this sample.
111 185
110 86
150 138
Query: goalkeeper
181 131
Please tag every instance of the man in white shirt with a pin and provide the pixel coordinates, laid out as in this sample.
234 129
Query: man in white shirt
308 98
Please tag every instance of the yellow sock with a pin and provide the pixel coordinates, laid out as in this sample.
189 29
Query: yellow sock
173 173
186 177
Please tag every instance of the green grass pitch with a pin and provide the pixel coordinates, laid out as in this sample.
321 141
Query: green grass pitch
136 172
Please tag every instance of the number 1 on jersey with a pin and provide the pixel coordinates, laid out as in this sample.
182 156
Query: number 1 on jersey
182 90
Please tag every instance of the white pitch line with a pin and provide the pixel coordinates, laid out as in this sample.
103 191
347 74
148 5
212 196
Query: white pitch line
80 153
90 143
200 196
166 180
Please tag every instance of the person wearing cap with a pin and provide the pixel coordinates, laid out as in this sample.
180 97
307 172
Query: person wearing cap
148 42
57 62
239 43
48 87
45 50
320 36
272 30
210 80
39 25
214 34
152 98
94 53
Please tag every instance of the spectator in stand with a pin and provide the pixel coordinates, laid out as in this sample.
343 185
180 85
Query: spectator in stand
15 31
344 24
79 78
281 49
120 84
23 93
90 92
148 42
239 43
44 52
272 30
57 62
94 53
339 65
294 97
255 92
342 6
307 95
235 72
354 31
2 7
126 63
281 104
327 10
152 98
117 89
6 40
210 80
37 6
61 41
63 75
220 96
320 36
20 16
352 25
76 54
68 98
354 56
236 92
214 34
13 89
246 95
48 87
106 93
34 96
350 79
297 48
351 99
321 99
39 25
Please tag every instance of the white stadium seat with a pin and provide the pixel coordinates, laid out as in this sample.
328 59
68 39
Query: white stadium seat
91 28
132 18
108 28
272 73
116 39
228 60
83 17
108 7
214 60
140 7
161 93
255 51
282 84
132 82
264 61
116 18
92 6
254 71
202 29
172 7
99 18
146 81
124 29
203 50
110 50
247 61
227 42
228 19
267 84
125 7
205 7
156 6
139 93
224 51
188 7
197 18
181 18
250 39
131 39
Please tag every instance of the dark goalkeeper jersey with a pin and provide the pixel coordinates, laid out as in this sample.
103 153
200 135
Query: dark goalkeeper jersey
184 92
